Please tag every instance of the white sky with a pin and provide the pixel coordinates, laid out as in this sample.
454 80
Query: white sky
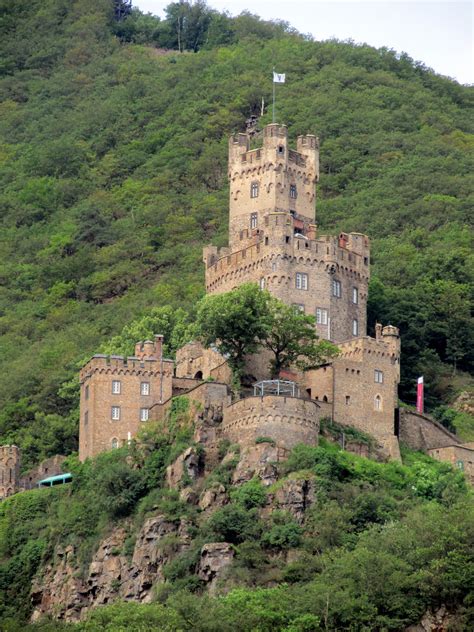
437 32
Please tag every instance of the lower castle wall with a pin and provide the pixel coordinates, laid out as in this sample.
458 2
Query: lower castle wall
48 467
419 432
286 420
460 456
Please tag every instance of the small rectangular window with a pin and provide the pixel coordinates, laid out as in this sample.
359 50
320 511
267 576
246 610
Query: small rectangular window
253 220
86 392
348 400
336 288
254 190
378 376
301 281
144 414
293 192
355 327
355 295
86 418
262 283
115 413
116 387
145 388
321 316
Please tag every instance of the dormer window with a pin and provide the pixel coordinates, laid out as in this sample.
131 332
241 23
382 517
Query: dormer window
254 190
293 192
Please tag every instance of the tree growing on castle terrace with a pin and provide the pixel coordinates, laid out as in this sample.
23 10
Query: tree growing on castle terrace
235 322
247 318
293 340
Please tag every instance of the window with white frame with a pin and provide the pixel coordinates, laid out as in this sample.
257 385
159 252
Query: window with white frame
336 288
293 192
378 376
355 327
262 283
301 281
116 387
254 190
321 316
144 412
114 443
145 388
377 402
115 413
355 295
253 220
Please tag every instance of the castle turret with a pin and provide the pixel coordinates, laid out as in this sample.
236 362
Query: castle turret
9 470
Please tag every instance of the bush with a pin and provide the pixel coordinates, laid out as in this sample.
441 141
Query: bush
250 494
235 524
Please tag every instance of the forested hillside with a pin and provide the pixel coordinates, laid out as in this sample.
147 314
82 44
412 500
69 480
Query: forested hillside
113 150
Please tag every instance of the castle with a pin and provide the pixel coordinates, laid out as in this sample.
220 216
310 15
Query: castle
274 242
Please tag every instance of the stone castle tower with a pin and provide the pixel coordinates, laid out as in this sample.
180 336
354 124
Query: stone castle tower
273 238
9 470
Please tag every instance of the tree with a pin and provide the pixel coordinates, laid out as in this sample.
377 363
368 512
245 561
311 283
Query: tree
235 322
292 339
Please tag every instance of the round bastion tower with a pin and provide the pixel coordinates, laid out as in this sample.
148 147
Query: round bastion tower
273 238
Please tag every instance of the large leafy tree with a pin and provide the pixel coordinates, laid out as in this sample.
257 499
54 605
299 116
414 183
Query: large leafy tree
235 322
293 340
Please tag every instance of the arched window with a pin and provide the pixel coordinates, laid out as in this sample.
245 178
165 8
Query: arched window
377 402
198 375
254 190
325 398
114 443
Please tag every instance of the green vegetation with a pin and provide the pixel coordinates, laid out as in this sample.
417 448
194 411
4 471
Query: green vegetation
381 543
113 176
243 320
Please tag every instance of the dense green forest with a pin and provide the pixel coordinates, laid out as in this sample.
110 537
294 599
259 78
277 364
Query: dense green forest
113 142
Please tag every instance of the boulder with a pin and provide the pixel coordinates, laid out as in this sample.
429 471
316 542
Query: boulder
216 557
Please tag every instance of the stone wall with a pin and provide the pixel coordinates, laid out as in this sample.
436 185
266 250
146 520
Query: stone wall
275 169
459 456
9 470
420 432
286 420
98 432
278 256
195 361
48 467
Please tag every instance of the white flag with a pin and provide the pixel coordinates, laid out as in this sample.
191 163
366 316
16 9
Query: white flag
278 77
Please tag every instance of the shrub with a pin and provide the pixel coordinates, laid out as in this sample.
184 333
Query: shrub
250 494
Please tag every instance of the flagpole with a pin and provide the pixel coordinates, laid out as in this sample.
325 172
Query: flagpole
273 109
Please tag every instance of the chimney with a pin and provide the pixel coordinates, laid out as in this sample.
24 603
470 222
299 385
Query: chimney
378 331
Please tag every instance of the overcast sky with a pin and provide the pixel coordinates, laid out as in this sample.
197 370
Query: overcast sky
437 32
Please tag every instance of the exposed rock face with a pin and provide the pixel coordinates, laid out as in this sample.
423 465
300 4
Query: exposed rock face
215 558
438 621
57 588
259 460
111 575
213 498
294 496
186 465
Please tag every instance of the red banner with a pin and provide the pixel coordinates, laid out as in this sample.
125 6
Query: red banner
420 395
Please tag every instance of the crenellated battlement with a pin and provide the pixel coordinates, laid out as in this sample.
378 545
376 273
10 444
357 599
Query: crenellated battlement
120 365
266 250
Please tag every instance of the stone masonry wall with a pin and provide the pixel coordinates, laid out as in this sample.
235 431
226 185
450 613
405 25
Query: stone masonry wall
286 420
459 456
9 470
274 168
98 431
420 432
